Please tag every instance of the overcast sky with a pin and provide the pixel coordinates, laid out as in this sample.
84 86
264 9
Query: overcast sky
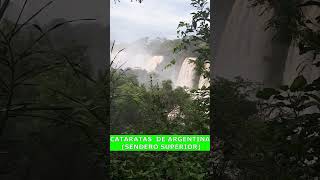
152 18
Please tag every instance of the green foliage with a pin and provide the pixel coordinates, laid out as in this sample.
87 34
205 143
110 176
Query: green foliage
266 93
46 107
275 139
293 110
238 131
141 109
159 165
148 107
157 108
298 84
294 126
196 35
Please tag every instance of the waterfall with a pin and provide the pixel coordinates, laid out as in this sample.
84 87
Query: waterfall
136 61
248 49
187 74
152 63
204 82
244 44
302 64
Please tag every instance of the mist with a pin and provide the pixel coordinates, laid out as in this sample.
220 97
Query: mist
141 56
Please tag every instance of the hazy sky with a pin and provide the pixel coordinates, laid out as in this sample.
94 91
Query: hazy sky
130 21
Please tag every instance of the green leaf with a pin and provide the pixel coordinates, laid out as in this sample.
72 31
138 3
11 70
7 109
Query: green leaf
284 88
279 97
307 105
266 93
298 84
317 98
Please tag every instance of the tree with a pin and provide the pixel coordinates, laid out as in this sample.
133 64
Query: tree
35 86
295 107
196 34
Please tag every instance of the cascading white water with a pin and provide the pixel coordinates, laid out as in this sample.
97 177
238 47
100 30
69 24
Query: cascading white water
125 60
187 74
152 63
204 82
249 50
302 64
245 46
